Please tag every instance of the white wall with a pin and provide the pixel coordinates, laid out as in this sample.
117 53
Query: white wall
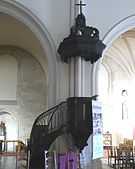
15 33
21 36
105 14
54 14
23 91
102 14
8 77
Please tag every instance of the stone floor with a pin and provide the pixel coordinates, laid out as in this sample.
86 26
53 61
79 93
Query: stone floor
10 163
104 166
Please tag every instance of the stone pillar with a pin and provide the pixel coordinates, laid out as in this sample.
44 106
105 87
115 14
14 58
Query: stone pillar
79 46
80 85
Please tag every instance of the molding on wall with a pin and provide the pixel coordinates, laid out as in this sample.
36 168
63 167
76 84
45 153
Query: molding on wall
24 15
14 51
120 27
8 102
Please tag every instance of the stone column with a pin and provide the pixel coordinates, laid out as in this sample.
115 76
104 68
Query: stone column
80 84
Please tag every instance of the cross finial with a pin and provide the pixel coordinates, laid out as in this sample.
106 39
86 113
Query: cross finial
81 5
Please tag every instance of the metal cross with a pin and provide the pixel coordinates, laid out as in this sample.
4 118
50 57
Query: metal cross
81 5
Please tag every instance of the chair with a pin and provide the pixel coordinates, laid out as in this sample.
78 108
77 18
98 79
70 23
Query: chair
112 156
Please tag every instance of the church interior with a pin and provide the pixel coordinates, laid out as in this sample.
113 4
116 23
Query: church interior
67 85
117 95
22 88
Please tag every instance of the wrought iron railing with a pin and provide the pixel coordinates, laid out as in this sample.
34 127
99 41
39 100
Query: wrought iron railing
46 128
52 118
73 117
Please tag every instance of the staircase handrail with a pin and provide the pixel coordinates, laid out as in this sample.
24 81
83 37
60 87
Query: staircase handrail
50 112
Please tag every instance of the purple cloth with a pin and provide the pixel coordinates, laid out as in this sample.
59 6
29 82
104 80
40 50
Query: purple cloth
67 161
62 162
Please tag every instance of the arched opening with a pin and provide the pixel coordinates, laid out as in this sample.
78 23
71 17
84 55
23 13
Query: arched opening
28 70
8 129
38 35
115 79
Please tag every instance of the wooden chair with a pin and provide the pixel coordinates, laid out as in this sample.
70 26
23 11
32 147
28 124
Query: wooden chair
112 156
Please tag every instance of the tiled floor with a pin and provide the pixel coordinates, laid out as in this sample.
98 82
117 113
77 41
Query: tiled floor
8 162
106 166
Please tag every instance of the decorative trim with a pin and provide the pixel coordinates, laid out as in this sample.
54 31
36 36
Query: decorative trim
8 102
120 27
13 51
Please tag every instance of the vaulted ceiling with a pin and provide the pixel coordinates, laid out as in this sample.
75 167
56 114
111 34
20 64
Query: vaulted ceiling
119 60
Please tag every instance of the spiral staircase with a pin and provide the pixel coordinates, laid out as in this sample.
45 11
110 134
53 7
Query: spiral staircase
63 118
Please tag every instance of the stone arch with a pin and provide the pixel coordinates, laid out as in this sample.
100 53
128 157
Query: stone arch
119 28
31 97
10 122
25 16
18 53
